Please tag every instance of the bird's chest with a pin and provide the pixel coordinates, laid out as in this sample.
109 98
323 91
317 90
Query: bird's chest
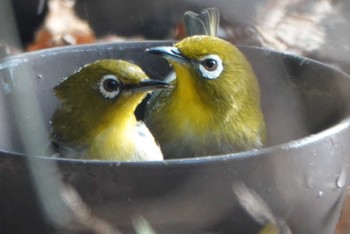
112 143
125 143
190 115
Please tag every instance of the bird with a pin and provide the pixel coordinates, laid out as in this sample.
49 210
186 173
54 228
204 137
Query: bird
96 120
214 106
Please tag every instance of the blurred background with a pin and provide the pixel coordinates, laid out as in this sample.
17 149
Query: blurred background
314 28
317 29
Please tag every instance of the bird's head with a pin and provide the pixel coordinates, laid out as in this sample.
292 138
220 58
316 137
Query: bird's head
213 68
105 87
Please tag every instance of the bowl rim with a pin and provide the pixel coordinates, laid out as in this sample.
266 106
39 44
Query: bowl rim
341 125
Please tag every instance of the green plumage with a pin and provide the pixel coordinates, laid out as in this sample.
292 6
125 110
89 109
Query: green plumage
96 117
207 116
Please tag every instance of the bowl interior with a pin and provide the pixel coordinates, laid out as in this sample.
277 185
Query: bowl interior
299 96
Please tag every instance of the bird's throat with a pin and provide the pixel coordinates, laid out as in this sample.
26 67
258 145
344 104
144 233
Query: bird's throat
115 133
187 107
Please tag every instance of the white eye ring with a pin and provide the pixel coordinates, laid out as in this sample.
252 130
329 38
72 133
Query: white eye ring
109 86
210 66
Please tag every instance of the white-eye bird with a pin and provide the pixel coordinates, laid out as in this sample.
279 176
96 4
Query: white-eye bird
214 107
96 118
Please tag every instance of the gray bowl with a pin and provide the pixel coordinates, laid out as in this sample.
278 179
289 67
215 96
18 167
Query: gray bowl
301 175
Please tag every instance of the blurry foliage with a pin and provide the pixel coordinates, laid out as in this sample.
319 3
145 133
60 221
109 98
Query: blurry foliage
314 28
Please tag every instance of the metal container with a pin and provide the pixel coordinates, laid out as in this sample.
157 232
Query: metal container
301 175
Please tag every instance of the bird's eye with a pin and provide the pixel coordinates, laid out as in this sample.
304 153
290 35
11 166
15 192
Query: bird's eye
210 67
209 64
110 86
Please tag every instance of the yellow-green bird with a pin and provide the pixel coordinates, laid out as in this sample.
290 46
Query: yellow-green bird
214 107
96 118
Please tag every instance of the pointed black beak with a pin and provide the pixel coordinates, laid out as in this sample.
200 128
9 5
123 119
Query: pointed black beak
169 53
148 84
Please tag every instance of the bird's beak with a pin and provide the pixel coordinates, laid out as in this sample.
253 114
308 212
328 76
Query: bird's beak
148 84
169 53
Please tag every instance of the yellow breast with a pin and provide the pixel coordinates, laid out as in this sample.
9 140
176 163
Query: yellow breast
113 139
186 108
114 142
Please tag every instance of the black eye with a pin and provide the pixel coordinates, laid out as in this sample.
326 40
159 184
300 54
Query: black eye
210 67
210 64
110 86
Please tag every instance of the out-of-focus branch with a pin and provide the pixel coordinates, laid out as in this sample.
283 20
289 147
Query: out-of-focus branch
83 219
257 208
62 206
